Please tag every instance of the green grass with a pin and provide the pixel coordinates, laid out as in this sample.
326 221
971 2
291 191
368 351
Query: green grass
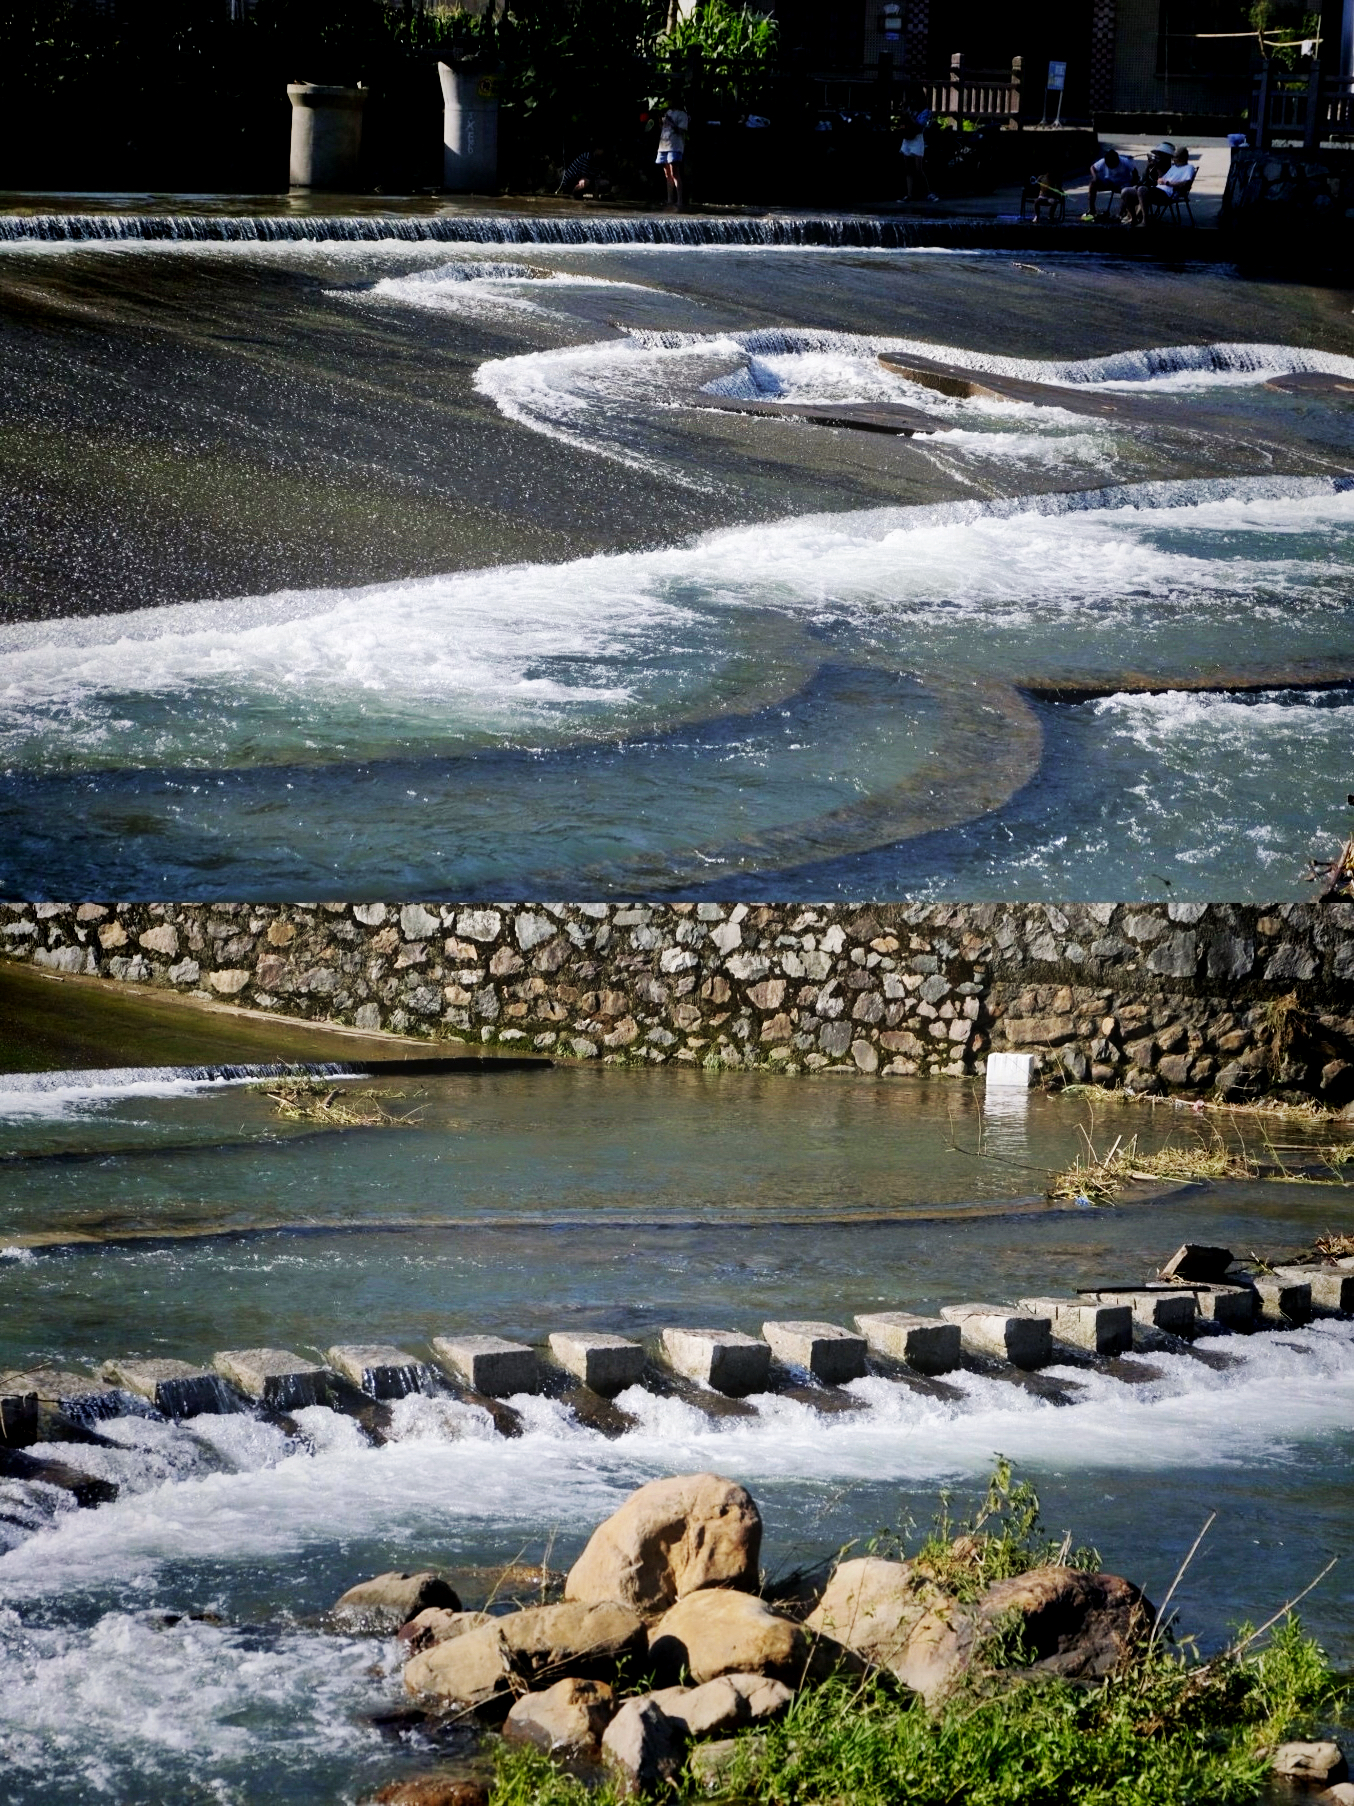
1166 1730
1164 1733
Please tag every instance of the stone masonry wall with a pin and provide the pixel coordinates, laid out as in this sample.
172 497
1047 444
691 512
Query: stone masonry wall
1216 999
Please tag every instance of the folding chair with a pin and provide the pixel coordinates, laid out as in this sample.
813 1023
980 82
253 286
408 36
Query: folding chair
1172 200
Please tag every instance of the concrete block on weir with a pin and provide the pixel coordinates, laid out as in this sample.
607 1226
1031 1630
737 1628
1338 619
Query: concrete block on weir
927 1343
1015 1336
1231 1306
830 1354
1104 1329
18 1415
176 1388
380 1370
1175 1312
75 1395
1332 1290
722 1359
1281 1302
605 1364
278 1379
489 1364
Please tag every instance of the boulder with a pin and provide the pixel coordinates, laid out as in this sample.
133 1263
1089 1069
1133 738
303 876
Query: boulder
438 1625
1342 1794
432 1790
380 1606
642 1746
872 1606
711 1764
717 1632
1321 1763
723 1705
1079 1626
566 1720
545 1643
671 1538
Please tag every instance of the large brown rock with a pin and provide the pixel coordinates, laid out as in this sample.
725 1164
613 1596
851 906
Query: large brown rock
432 1790
872 1606
383 1604
566 1720
669 1539
714 1632
1080 1626
543 1644
723 1705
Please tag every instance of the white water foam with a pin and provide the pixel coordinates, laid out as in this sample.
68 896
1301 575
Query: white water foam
485 290
1285 1391
25 1096
594 396
544 650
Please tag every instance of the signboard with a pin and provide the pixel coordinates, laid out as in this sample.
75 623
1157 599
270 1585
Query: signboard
1057 77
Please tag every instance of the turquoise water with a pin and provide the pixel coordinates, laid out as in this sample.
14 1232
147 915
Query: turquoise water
537 1201
523 607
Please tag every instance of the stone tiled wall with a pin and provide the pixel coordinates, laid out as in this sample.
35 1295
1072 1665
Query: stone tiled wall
1182 997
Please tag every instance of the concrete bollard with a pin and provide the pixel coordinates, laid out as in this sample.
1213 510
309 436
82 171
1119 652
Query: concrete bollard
1009 1072
927 1343
326 136
1332 1290
1104 1329
380 1370
605 1364
489 1364
1015 1336
18 1414
1174 1312
830 1354
469 131
1282 1302
175 1388
278 1379
722 1359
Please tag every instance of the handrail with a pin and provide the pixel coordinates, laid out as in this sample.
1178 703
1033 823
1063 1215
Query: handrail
1305 104
983 95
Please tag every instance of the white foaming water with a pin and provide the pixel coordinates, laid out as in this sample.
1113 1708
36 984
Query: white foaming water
25 1096
594 396
173 1705
1283 1390
540 651
484 289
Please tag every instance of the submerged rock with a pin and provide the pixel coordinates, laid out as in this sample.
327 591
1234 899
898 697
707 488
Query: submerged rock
669 1539
381 1605
566 1720
432 1790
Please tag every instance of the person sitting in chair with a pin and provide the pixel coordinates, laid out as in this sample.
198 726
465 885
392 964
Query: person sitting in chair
1110 174
1166 174
1174 182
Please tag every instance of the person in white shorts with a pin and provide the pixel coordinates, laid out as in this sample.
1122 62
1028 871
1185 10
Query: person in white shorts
671 150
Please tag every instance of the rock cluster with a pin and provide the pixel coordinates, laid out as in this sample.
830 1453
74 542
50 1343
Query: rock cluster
1159 998
663 1640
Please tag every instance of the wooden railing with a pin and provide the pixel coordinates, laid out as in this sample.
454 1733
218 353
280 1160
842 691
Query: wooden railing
988 96
1307 106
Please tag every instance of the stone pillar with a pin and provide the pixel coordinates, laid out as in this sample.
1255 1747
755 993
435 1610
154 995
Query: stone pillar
1102 56
469 131
326 136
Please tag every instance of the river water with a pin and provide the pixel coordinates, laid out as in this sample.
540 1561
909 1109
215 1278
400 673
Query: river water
426 568
167 1645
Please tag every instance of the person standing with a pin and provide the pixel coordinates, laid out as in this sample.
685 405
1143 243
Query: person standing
671 150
